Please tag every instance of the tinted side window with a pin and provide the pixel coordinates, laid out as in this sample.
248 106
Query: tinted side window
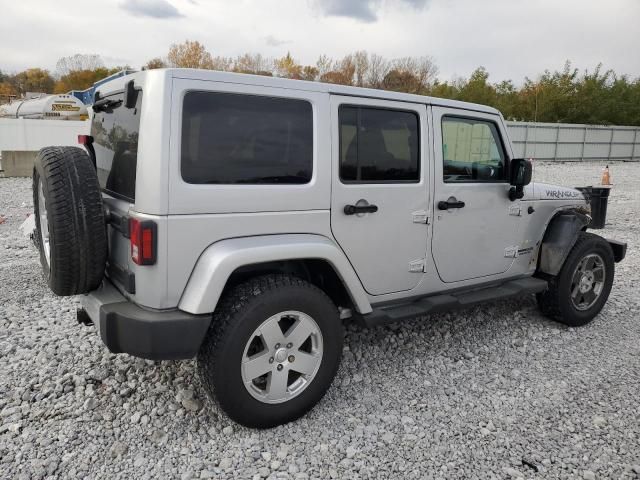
378 145
115 140
472 151
231 138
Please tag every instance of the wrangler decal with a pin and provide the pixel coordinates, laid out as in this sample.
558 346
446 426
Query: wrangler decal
562 193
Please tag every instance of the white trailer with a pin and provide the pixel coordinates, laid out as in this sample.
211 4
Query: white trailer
55 107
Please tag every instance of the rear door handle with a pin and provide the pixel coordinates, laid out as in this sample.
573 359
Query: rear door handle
355 209
451 203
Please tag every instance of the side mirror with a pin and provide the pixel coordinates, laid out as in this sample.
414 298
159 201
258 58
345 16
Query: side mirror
519 175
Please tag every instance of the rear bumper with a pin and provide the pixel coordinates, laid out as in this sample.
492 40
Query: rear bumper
152 334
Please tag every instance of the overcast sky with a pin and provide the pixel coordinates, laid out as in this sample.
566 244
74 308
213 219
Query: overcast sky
511 38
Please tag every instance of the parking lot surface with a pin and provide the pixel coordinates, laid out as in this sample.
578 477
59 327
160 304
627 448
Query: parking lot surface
497 391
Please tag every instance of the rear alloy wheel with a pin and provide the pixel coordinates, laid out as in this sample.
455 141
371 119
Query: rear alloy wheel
578 293
43 221
272 350
278 366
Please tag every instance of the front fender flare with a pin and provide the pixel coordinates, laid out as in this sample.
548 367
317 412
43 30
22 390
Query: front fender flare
221 259
559 238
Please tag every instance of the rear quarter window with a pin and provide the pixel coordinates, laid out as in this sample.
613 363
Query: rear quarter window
230 138
115 132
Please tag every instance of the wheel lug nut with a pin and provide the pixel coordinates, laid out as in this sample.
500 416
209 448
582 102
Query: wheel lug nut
271 360
279 367
291 358
289 345
277 345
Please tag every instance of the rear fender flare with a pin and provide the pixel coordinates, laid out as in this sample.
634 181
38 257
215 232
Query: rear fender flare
221 259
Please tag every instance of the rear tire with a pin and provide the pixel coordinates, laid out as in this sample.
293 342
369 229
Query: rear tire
578 293
257 320
70 224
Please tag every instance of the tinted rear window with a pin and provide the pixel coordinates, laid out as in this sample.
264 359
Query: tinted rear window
246 139
115 141
379 145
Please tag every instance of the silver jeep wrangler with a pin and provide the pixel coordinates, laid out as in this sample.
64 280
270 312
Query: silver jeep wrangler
241 219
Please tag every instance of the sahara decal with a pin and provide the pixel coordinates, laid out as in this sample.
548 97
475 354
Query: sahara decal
63 107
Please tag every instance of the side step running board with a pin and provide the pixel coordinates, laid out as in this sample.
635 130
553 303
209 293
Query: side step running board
452 301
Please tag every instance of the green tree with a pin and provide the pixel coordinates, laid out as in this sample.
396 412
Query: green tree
154 63
190 54
33 80
287 67
401 81
478 89
83 79
507 99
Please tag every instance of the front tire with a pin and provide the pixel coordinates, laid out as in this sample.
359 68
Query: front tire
578 293
272 350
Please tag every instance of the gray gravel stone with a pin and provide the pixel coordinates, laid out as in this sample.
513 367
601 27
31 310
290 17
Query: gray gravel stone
467 394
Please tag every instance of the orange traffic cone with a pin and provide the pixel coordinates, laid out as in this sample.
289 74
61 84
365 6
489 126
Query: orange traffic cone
606 177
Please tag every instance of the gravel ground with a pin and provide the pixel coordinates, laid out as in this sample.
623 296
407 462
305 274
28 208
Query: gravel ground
493 392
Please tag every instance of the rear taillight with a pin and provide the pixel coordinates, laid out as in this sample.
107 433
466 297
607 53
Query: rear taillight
143 235
85 140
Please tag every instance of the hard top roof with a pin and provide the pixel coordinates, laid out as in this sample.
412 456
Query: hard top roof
277 82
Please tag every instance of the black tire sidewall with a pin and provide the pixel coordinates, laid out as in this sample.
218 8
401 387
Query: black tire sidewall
571 315
229 388
78 243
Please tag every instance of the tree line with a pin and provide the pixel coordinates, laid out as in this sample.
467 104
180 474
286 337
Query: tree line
599 96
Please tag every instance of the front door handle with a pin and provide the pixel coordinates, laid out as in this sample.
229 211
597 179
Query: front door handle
355 209
451 203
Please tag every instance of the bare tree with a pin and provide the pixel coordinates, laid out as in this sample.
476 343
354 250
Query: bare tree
361 63
323 65
252 63
347 67
422 69
78 62
222 64
378 69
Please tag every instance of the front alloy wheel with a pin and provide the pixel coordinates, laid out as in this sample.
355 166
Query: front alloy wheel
581 288
588 282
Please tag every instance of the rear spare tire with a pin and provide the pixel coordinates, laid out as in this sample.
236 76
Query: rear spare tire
70 225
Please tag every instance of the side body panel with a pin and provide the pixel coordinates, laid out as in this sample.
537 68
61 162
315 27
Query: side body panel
387 248
473 241
201 215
